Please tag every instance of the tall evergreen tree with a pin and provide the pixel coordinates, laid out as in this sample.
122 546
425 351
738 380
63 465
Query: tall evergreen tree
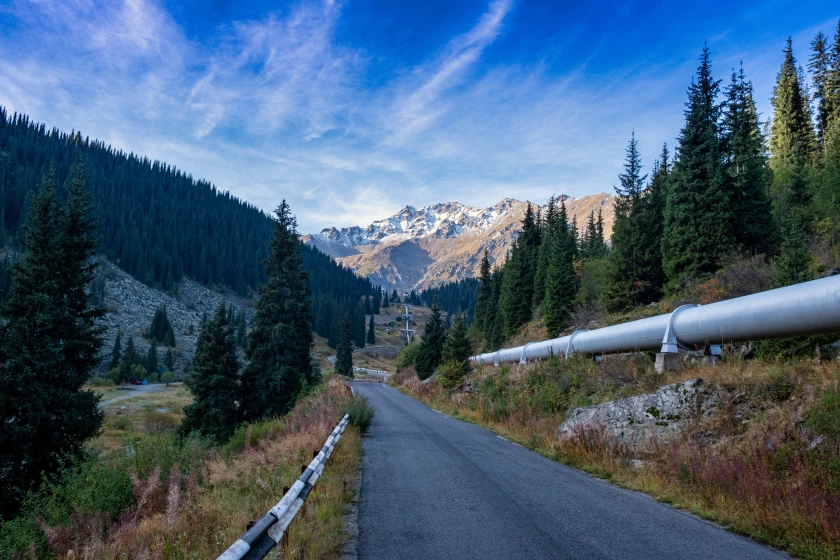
431 344
281 337
494 323
548 222
560 283
214 382
456 354
485 293
116 351
792 133
344 353
651 223
129 358
169 360
152 361
697 210
371 334
360 326
820 66
50 325
624 271
745 166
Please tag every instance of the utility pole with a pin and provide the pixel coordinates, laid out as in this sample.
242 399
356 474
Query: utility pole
407 330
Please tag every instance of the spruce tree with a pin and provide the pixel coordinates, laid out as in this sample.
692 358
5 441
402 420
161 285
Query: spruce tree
116 351
516 285
485 292
360 326
651 223
560 283
456 354
50 343
152 360
431 344
541 270
746 168
697 211
169 360
624 270
820 66
371 334
281 337
495 336
792 133
344 352
129 358
214 382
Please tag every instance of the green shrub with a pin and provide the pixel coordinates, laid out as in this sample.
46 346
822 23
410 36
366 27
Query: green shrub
779 385
408 355
824 419
361 413
167 377
452 374
119 422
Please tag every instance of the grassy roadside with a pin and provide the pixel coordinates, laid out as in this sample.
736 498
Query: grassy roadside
143 493
765 468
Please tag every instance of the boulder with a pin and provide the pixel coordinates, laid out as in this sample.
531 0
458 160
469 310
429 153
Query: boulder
637 419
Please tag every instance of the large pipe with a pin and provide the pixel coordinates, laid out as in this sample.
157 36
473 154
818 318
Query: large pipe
802 309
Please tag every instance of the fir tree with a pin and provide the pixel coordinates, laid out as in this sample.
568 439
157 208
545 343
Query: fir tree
820 66
281 336
697 211
746 168
371 334
50 325
344 353
431 345
214 382
116 352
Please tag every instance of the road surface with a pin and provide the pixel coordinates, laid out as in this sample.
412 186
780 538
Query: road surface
435 487
134 391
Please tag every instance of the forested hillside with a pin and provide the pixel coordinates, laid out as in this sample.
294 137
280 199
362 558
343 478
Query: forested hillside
740 206
156 222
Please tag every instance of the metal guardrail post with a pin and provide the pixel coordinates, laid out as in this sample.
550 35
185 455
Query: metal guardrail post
266 533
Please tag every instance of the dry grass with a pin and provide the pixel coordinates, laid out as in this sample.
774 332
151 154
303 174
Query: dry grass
199 512
754 467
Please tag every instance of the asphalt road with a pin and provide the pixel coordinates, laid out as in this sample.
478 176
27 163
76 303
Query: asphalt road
435 487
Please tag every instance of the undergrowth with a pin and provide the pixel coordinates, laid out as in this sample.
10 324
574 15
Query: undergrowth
158 497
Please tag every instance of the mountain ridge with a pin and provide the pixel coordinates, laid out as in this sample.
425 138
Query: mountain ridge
417 248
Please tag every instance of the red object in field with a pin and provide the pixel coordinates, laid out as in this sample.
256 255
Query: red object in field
137 382
349 388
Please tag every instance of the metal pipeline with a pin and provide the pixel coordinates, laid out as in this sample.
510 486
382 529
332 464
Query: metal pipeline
802 309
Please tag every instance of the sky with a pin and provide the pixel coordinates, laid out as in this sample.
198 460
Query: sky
351 110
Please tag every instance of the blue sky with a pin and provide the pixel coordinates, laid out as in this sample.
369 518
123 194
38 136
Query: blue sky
351 110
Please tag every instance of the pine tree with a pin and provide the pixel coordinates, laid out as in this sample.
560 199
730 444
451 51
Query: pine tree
371 334
344 353
431 345
697 211
116 352
281 336
50 325
746 168
214 382
152 360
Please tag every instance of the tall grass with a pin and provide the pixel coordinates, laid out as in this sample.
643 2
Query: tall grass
162 498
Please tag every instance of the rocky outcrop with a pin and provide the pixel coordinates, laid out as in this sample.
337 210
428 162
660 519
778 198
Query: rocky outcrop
635 420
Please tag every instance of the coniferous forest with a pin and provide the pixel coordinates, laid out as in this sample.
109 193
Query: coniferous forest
741 205
156 222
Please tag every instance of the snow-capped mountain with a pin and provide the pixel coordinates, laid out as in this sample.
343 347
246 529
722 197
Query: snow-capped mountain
420 247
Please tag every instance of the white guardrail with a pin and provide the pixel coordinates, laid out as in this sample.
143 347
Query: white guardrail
801 309
268 532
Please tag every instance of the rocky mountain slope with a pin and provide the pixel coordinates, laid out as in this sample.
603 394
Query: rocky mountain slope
422 247
130 306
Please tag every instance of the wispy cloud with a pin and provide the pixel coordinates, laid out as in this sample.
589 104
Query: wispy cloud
281 106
